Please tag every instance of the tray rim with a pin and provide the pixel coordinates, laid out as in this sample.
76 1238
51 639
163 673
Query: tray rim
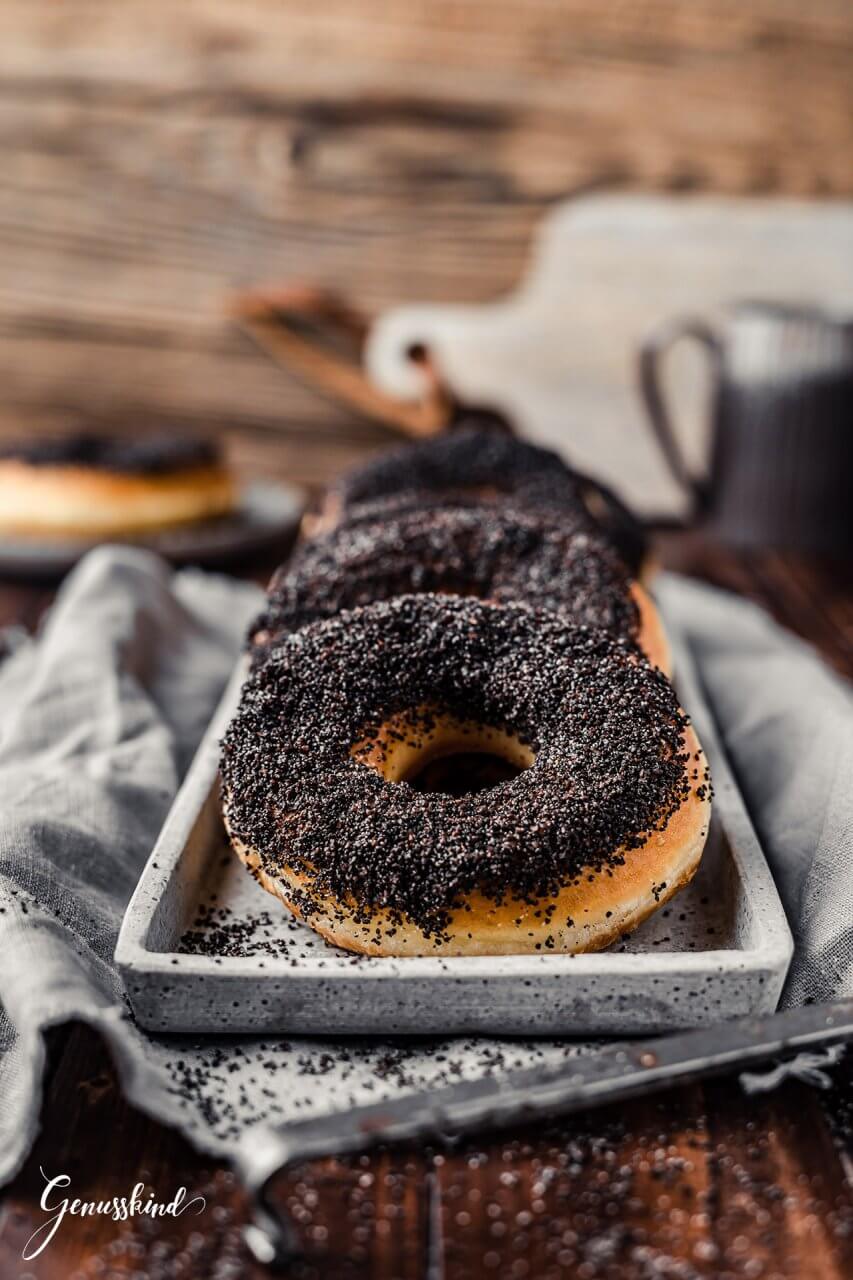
770 952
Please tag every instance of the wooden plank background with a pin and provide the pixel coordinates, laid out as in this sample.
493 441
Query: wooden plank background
154 155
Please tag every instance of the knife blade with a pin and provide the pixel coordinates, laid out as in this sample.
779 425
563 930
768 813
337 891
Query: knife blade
611 1074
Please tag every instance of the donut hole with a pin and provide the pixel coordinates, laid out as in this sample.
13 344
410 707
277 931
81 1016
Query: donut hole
442 753
462 773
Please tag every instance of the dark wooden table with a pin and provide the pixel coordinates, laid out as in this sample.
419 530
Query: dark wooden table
701 1181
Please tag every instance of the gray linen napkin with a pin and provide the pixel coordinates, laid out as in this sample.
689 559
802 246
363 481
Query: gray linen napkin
98 720
787 724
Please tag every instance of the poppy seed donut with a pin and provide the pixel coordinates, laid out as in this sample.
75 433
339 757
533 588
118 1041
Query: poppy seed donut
469 458
497 554
151 454
483 465
604 818
91 486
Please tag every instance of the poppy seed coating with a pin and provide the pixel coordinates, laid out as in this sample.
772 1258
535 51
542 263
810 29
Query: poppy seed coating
480 464
501 555
605 729
467 459
154 454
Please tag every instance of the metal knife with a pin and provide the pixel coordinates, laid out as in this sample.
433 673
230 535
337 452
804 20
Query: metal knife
612 1074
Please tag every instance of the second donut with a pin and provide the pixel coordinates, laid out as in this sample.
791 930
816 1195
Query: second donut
496 554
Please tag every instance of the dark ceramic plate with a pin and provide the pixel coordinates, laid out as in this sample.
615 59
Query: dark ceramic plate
266 518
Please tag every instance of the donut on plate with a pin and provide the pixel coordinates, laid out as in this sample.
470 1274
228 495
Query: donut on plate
498 554
346 787
89 486
486 465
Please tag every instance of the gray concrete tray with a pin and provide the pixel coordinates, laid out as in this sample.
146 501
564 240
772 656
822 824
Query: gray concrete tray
203 948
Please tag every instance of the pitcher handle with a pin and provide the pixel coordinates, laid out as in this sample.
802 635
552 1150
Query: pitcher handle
652 352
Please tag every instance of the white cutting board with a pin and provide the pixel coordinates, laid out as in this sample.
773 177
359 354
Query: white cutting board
559 353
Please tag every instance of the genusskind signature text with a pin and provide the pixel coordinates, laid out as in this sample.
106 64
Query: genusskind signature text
119 1209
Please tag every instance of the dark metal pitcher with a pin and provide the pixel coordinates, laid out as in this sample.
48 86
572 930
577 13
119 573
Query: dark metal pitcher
781 464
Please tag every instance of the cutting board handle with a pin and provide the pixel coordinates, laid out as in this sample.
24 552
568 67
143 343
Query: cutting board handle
319 336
